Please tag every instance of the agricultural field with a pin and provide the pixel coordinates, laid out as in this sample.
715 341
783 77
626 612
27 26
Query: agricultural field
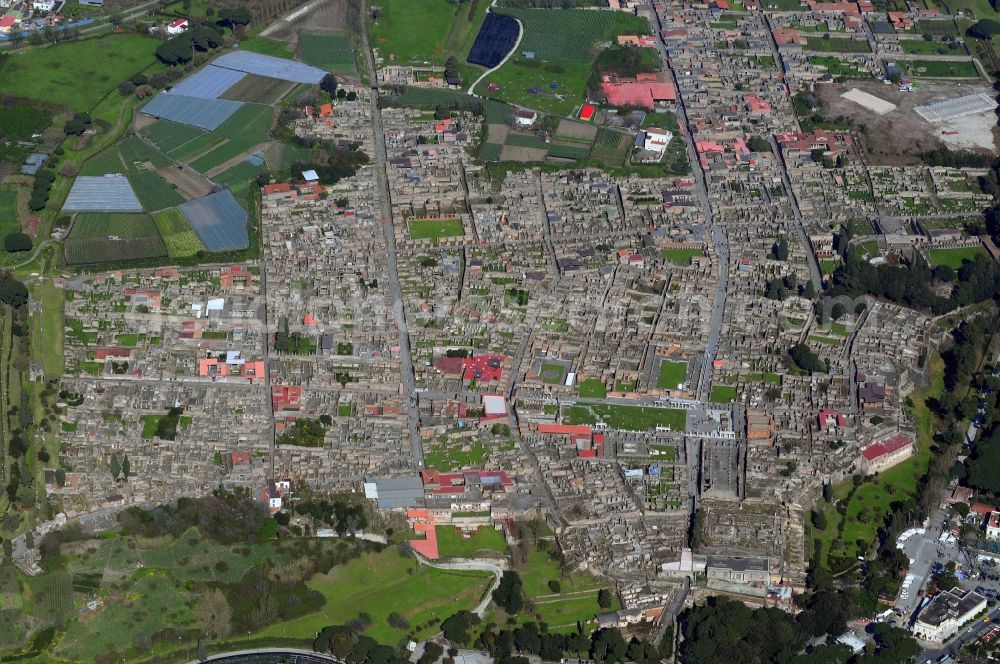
435 229
954 258
77 75
565 44
626 418
170 136
672 374
180 240
246 128
111 238
612 147
328 50
258 90
265 46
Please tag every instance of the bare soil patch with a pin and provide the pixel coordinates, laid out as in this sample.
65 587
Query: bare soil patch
258 89
497 133
576 131
321 15
190 183
898 136
515 153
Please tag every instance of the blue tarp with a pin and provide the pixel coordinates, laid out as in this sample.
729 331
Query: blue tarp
208 83
197 112
102 193
270 67
219 221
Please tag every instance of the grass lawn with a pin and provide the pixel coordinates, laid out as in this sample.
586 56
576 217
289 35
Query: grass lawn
453 454
435 229
452 544
445 28
626 418
592 387
552 373
837 44
681 256
383 583
47 328
940 68
723 394
955 257
923 47
332 51
671 375
576 601
78 74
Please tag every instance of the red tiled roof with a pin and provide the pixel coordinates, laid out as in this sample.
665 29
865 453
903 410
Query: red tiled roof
565 429
889 446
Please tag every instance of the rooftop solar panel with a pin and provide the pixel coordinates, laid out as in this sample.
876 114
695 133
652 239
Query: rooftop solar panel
219 221
269 66
197 112
102 193
208 83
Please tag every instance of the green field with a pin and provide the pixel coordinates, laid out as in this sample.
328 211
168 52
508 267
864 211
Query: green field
8 213
272 47
106 161
79 74
447 454
153 191
170 136
681 256
671 374
383 583
565 43
427 32
112 237
838 67
923 47
593 387
575 602
435 229
836 44
723 394
936 27
626 418
940 68
177 235
485 541
329 51
955 257
247 127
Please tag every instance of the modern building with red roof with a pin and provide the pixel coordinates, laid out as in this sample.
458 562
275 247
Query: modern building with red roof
886 454
646 90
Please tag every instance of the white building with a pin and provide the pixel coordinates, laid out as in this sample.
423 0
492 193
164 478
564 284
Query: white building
946 614
993 526
657 140
524 118
43 5
177 27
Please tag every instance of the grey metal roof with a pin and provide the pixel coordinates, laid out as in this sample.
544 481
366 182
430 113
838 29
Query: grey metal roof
195 111
399 492
208 83
102 193
269 66
219 221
